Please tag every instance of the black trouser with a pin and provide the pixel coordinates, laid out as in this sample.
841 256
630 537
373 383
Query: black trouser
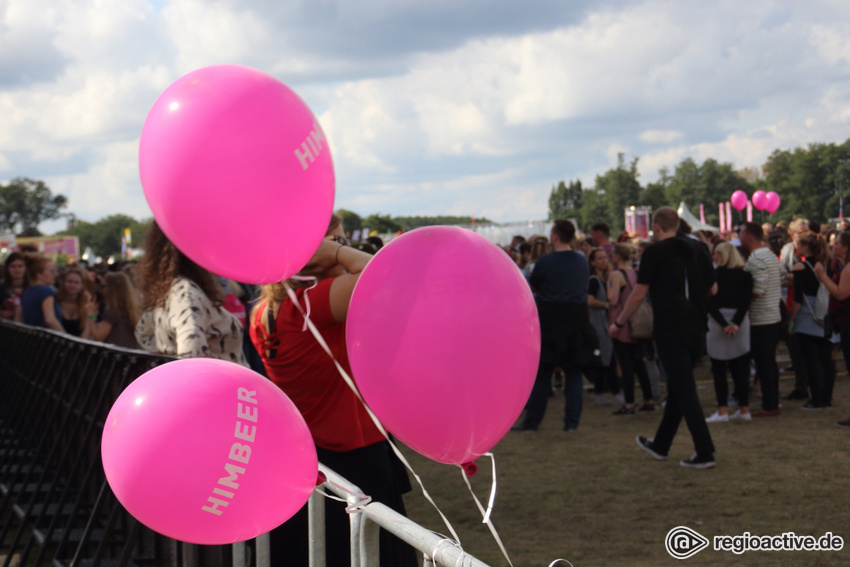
631 363
740 370
678 357
763 339
817 356
604 378
795 351
844 328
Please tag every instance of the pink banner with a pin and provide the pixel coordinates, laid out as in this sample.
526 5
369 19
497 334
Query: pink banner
728 216
749 211
722 218
702 213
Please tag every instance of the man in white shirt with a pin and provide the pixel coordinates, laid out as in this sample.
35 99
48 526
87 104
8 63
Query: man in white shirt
765 316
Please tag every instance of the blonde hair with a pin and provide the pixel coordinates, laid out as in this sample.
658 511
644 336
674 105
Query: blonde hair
275 293
729 257
84 295
121 295
625 250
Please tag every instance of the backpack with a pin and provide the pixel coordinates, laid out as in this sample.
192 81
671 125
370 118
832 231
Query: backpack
819 309
640 323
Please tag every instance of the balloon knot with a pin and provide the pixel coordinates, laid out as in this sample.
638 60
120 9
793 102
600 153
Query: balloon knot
321 479
469 468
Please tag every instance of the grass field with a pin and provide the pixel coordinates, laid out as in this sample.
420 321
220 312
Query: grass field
594 498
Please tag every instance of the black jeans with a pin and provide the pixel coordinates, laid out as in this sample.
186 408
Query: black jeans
844 329
820 368
631 363
740 370
678 357
537 401
604 378
763 339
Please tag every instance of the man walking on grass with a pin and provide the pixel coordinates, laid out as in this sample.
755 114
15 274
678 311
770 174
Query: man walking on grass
678 276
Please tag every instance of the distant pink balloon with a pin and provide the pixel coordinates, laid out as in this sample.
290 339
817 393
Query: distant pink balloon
208 452
238 173
772 202
760 200
444 341
739 200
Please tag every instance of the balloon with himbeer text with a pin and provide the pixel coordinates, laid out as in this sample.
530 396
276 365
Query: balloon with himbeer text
444 341
772 202
739 200
238 173
208 452
760 200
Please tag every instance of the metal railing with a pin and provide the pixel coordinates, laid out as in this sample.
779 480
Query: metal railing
56 507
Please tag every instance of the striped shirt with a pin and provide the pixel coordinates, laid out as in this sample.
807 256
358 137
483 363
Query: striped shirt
763 265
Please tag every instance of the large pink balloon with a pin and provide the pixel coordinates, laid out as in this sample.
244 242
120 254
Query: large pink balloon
238 173
772 202
444 341
760 200
207 451
739 200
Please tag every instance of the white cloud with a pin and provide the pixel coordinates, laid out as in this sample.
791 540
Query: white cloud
660 136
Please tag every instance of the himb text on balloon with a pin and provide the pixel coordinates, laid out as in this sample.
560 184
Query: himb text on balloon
239 452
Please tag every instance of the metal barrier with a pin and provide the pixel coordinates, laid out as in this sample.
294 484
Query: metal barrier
56 507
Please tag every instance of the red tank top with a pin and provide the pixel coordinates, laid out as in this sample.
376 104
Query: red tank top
299 366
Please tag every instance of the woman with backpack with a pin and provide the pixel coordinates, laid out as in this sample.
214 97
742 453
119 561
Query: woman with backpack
806 321
621 282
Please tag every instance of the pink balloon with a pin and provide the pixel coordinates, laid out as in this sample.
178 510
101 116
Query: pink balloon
739 200
444 341
238 173
759 200
208 452
772 202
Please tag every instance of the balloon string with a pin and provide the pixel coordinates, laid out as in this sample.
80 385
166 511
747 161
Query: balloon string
555 562
437 552
351 508
485 514
321 340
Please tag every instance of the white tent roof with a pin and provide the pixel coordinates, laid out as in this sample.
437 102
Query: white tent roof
695 223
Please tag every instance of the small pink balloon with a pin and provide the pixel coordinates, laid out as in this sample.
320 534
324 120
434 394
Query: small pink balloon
772 202
739 200
759 200
238 173
444 341
208 452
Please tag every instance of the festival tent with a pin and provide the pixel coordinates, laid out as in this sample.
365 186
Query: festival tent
693 221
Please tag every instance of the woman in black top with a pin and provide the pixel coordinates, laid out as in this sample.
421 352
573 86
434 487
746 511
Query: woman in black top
728 338
817 349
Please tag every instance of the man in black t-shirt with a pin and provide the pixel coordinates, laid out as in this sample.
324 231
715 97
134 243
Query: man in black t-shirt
677 274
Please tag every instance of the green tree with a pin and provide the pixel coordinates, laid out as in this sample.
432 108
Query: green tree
620 189
565 200
351 221
26 203
594 208
104 236
381 223
655 193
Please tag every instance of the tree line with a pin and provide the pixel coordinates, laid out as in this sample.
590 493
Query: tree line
810 181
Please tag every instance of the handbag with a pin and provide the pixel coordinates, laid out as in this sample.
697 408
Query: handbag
640 323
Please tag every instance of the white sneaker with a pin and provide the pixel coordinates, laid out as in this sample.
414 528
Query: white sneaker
717 418
603 400
741 416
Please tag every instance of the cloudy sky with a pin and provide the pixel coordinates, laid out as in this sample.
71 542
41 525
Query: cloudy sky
431 106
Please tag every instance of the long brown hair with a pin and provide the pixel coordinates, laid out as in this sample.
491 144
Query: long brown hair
121 295
591 257
84 295
162 264
816 245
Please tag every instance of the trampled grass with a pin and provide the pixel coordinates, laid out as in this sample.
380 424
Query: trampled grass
594 498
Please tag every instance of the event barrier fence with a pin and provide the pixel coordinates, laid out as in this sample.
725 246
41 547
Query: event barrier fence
56 507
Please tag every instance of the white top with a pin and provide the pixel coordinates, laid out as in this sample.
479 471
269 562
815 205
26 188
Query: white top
763 265
190 326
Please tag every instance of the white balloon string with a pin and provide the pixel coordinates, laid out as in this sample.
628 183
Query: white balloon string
351 508
555 562
485 514
348 380
315 281
446 543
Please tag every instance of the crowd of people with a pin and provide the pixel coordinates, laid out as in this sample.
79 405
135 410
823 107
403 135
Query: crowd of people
732 296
